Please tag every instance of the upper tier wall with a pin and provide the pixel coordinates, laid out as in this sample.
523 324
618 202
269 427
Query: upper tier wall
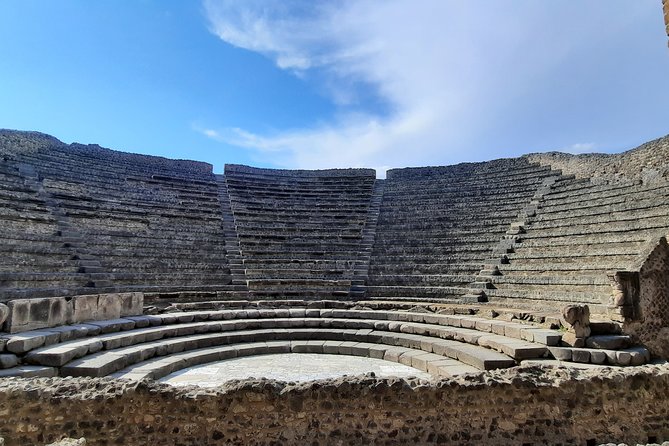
455 169
647 162
238 168
15 143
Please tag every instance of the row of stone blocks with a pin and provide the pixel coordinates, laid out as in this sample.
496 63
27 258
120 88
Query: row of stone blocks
32 314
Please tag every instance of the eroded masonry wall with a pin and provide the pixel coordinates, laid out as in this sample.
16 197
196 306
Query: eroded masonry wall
651 324
648 162
529 406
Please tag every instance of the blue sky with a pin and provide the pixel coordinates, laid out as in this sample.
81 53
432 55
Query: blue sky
357 83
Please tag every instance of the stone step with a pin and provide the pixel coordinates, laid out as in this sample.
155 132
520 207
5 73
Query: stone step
429 362
417 291
107 362
622 357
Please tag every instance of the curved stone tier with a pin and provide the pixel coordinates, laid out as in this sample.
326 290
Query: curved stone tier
153 346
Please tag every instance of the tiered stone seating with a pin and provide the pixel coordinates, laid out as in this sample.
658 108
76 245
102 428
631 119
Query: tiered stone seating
580 232
300 232
153 346
133 223
33 259
437 226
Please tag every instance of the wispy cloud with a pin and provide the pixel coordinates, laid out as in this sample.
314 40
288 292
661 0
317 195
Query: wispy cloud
446 69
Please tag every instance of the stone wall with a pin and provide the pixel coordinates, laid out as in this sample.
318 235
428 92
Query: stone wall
651 323
526 406
14 142
240 168
646 163
33 314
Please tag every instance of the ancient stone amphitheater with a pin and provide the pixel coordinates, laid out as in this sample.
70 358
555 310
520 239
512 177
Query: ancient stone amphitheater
534 291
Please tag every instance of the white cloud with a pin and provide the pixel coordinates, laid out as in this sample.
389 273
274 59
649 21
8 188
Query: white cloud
445 68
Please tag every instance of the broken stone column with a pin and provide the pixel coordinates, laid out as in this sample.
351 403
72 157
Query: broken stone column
577 320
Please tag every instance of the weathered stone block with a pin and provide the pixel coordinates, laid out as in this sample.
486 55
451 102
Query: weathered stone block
578 355
109 306
60 312
8 360
85 308
560 353
132 304
4 313
39 311
19 315
32 314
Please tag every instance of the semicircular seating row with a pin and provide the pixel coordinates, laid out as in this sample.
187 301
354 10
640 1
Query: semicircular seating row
154 346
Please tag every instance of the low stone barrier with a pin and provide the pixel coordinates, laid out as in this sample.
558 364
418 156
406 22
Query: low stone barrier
32 314
530 405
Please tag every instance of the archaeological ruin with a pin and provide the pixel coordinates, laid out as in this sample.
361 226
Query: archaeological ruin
533 291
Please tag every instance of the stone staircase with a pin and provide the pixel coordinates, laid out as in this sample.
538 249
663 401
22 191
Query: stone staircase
300 232
437 227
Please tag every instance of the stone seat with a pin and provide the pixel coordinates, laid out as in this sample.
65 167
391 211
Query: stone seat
611 219
444 239
576 250
558 297
429 231
295 273
517 340
174 278
540 281
548 239
289 256
389 291
640 202
377 268
520 259
421 279
301 263
478 257
41 280
599 266
274 241
313 231
437 249
73 289
26 341
598 232
620 357
298 282
300 225
313 293
576 190
434 364
105 362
